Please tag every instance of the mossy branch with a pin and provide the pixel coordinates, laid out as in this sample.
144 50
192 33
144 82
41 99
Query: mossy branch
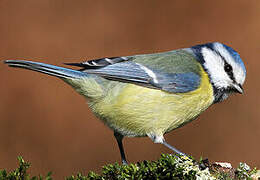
167 167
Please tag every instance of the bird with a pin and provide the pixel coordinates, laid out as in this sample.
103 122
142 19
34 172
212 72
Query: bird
149 95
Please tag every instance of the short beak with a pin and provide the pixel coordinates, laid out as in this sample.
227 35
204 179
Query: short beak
238 88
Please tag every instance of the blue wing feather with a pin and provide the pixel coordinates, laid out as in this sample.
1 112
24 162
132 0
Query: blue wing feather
178 83
124 72
132 72
174 71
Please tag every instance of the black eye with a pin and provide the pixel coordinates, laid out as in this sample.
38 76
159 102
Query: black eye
228 68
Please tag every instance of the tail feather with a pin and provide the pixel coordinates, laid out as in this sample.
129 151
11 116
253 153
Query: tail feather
47 69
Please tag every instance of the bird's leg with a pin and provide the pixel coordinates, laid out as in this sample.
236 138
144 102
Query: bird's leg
172 148
161 140
119 137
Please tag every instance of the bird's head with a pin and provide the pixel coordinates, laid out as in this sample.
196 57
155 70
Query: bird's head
224 66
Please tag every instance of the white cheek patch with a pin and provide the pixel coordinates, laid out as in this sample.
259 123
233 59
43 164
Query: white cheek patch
238 72
215 66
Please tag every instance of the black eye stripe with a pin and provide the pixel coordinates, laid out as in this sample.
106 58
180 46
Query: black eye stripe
227 68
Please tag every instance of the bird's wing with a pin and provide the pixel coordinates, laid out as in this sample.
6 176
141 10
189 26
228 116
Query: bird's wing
174 71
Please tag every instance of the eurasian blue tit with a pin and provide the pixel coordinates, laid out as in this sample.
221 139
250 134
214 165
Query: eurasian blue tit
152 94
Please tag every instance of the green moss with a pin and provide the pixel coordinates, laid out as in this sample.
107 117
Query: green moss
167 167
244 171
21 173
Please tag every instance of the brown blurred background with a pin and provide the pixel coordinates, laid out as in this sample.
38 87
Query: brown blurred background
51 126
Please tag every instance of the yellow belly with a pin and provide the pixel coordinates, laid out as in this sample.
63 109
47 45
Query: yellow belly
139 111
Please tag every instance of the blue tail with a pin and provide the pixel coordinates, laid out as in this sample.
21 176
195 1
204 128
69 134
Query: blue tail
47 69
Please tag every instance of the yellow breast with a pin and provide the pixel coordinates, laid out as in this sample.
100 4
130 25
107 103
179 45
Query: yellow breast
139 111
